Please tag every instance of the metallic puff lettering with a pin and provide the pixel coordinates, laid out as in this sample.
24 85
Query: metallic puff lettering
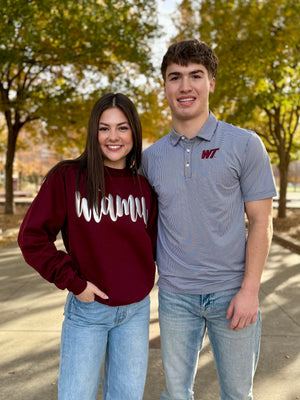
82 207
133 206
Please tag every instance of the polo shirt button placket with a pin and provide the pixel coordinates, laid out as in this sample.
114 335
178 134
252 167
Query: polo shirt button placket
187 169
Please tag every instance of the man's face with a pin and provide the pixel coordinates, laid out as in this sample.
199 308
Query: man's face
187 90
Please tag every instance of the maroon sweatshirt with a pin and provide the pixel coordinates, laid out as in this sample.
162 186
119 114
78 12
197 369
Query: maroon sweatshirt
111 246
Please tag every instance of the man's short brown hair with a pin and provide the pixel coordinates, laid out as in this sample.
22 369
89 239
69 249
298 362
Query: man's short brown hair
190 51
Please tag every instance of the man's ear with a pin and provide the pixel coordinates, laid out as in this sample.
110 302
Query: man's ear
212 84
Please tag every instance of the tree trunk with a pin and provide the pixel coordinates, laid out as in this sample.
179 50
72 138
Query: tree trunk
9 192
10 155
283 173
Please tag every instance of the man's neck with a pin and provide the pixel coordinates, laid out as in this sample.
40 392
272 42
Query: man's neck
189 127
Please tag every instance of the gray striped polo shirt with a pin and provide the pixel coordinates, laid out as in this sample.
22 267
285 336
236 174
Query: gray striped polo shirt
202 184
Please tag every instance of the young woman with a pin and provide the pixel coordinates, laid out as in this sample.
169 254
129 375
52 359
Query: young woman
106 213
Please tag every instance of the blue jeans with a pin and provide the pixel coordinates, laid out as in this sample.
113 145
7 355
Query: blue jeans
91 330
184 320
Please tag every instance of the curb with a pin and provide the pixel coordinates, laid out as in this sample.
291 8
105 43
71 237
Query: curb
287 242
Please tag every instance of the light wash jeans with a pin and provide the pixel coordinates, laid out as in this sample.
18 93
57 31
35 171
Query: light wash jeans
184 320
91 330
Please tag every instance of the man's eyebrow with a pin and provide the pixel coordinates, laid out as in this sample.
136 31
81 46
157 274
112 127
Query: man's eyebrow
176 73
197 71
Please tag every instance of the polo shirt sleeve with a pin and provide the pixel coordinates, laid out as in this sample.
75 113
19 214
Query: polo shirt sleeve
257 180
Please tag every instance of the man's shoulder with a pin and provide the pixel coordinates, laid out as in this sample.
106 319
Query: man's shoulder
236 133
234 129
154 155
158 145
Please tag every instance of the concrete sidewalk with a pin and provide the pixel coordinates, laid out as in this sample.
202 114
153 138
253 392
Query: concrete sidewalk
31 317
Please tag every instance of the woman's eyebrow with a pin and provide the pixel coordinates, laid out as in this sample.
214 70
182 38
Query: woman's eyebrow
120 123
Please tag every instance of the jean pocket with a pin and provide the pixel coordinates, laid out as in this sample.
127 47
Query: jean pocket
82 309
86 305
84 302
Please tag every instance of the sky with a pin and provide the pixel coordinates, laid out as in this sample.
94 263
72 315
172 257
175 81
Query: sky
166 8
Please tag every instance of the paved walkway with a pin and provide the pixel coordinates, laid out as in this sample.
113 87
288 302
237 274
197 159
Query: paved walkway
31 316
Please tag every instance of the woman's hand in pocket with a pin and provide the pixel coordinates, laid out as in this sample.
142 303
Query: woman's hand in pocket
89 293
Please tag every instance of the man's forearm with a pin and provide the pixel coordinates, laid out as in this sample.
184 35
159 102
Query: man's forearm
260 233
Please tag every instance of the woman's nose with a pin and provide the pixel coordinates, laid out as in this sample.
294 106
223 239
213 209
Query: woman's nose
113 134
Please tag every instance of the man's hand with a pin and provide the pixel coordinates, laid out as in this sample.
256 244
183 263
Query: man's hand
89 293
243 309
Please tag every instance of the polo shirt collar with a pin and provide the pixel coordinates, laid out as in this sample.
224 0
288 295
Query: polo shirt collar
205 133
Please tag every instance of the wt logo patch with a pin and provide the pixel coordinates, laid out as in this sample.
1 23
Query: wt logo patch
209 153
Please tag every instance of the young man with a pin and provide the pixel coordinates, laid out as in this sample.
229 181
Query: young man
207 174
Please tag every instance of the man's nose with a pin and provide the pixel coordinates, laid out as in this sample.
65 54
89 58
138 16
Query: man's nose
185 84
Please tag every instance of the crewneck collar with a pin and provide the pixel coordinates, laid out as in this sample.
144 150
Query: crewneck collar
117 172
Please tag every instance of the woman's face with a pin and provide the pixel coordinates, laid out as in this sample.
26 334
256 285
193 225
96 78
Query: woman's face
115 137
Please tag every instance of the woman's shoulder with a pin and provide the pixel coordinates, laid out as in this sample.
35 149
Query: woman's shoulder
62 169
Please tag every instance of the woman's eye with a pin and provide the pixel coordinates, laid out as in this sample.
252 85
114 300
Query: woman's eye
102 129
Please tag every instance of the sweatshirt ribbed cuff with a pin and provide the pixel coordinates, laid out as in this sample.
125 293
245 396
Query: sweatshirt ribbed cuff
77 286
